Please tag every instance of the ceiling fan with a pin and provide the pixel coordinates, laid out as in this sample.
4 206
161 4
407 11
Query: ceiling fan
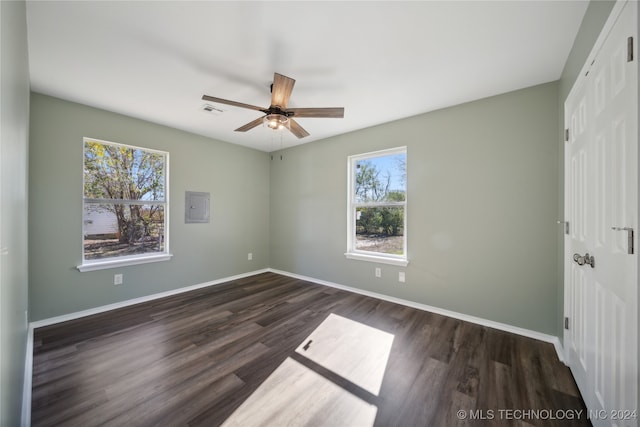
278 116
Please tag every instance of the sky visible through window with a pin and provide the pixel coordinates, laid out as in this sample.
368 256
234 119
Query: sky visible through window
393 165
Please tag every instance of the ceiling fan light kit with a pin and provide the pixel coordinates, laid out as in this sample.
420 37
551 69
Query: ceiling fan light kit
276 121
278 116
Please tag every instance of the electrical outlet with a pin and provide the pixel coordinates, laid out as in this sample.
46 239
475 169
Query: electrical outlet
117 279
249 256
401 277
378 272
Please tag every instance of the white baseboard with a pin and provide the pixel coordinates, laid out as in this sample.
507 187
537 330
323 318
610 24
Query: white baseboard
560 350
461 316
109 307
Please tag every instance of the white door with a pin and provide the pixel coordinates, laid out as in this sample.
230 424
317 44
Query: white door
601 204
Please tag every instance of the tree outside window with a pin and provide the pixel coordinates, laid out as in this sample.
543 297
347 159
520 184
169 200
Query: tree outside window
125 201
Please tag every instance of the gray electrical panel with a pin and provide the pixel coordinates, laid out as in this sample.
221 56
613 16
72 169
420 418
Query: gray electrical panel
196 207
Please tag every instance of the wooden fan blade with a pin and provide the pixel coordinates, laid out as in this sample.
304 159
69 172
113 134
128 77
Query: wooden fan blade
336 113
281 90
250 125
234 103
296 129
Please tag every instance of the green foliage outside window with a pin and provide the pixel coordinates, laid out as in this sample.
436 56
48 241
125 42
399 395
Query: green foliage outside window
371 185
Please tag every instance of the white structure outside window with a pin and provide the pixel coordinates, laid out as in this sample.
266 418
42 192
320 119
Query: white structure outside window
125 205
377 207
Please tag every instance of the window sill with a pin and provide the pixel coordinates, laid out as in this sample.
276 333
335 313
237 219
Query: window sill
102 265
403 262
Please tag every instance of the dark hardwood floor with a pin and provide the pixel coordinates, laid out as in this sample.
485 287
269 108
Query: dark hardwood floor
194 358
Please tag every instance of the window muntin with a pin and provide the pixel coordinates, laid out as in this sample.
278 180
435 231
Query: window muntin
125 203
377 206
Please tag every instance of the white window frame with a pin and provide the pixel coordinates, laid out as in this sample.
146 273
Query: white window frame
100 264
352 205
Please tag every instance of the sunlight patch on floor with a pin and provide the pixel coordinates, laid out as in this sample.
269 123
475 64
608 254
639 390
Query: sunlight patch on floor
295 394
355 351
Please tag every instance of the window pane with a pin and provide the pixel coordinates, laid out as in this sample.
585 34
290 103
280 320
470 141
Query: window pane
122 230
381 178
380 229
114 171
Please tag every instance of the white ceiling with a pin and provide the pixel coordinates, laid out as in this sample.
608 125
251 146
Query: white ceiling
381 60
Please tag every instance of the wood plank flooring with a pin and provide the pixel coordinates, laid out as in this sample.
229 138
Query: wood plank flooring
250 352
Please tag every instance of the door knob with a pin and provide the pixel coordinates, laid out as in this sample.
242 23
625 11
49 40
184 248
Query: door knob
590 260
586 259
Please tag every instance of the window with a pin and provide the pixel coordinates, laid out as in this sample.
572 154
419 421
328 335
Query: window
377 220
125 205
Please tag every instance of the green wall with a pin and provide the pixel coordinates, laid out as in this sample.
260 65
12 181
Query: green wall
236 177
592 23
14 143
482 205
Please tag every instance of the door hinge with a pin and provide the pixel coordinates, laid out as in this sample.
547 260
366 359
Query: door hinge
630 49
566 226
566 135
566 323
